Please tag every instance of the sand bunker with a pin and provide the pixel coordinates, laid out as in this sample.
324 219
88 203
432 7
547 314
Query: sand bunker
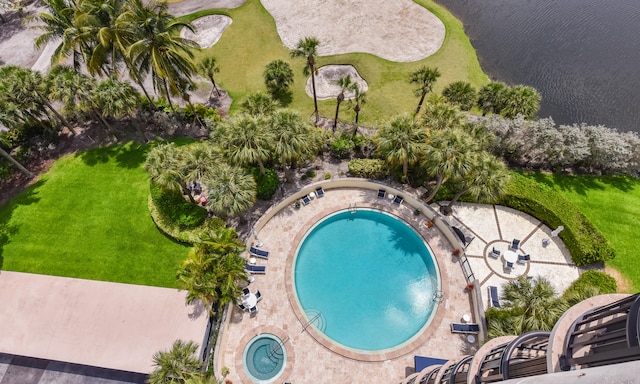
208 30
396 30
327 81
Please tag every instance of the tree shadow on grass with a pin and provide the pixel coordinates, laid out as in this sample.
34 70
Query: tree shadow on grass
284 98
8 230
130 155
581 184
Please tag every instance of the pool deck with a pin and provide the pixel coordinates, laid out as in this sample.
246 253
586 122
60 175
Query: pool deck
312 359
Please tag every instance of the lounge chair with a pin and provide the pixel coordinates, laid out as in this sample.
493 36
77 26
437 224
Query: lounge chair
398 199
465 328
253 310
319 192
259 253
241 306
255 269
494 299
515 244
305 200
246 291
258 295
382 193
522 259
495 253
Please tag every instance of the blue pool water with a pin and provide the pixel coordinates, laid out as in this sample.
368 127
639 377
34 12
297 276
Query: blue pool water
366 280
264 358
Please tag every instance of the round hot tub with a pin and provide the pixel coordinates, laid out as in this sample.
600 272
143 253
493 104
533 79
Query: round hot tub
264 358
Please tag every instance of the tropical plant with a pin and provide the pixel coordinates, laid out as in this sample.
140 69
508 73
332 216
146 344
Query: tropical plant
260 104
231 190
115 98
520 99
245 140
424 77
441 115
278 76
13 161
346 84
292 138
176 365
358 100
165 166
308 48
491 97
402 142
460 93
208 67
199 159
71 88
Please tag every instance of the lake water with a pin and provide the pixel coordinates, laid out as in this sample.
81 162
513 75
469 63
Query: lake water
583 56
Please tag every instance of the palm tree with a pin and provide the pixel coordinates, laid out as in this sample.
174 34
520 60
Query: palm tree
200 159
439 115
208 67
292 138
425 77
402 142
491 97
116 98
260 104
231 191
346 84
165 166
196 276
176 365
485 180
222 241
13 161
278 76
359 99
521 99
245 140
308 48
71 88
460 93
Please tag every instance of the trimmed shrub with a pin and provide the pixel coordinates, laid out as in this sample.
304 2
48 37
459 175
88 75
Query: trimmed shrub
600 280
173 209
342 148
267 184
369 168
585 243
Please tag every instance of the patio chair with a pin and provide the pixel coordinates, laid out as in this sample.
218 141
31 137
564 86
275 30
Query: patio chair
522 259
398 199
465 328
253 310
382 193
515 244
305 200
241 306
255 269
319 192
508 265
495 253
246 291
258 295
259 252
494 299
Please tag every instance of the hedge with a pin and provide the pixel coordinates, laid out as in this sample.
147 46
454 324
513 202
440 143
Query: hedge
369 168
266 184
602 281
585 243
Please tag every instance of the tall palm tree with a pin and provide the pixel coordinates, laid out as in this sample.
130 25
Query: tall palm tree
116 98
278 76
460 93
196 276
208 67
448 154
491 97
425 77
308 48
231 191
165 166
439 115
402 142
292 137
346 84
260 104
200 159
245 140
359 99
176 365
521 99
486 180
222 241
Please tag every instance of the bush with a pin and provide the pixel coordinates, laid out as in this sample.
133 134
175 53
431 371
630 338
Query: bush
6 170
202 112
267 184
369 168
600 280
342 148
173 209
585 243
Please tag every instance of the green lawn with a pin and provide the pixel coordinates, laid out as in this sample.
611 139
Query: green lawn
251 42
613 205
87 217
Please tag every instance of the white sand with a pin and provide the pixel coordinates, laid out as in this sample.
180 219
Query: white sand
208 30
327 81
396 30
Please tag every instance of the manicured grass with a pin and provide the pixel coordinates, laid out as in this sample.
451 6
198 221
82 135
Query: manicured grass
613 205
87 217
251 42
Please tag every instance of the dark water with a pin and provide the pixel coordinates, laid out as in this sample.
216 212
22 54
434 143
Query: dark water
583 56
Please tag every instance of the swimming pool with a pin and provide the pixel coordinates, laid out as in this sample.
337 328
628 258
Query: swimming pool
366 280
264 358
